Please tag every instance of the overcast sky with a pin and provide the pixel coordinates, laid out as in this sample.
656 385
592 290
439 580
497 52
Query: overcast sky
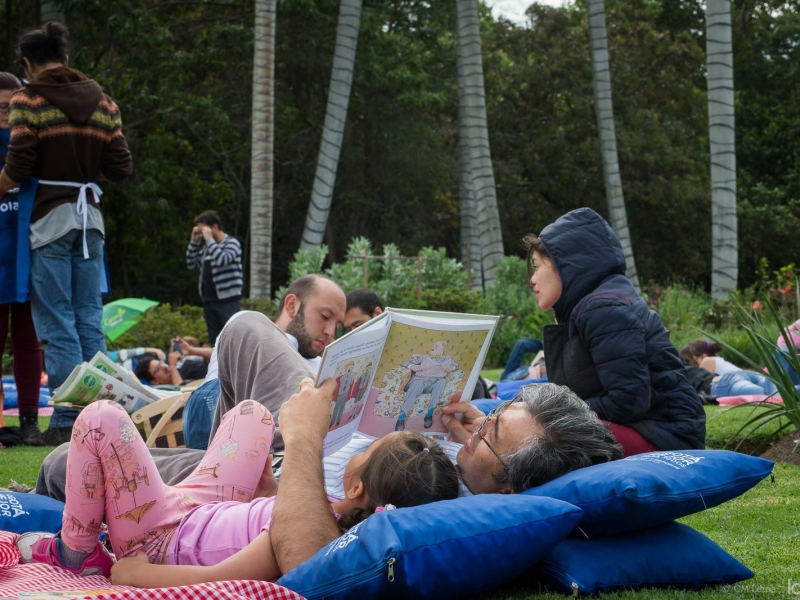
515 9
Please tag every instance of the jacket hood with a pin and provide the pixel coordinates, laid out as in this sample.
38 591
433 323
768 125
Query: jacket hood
70 91
586 251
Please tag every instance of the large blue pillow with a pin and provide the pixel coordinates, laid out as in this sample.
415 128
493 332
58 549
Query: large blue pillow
21 513
671 555
506 390
445 549
650 489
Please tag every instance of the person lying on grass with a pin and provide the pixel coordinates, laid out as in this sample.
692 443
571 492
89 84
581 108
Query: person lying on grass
164 537
729 379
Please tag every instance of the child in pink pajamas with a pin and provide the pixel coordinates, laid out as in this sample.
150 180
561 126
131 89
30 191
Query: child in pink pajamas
220 514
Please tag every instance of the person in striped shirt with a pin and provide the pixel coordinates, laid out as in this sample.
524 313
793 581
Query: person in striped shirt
218 256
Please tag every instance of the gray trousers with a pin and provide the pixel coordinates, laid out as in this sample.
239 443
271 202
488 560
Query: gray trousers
419 385
256 361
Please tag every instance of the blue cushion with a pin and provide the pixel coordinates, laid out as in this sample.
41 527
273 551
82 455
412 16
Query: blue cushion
10 394
506 390
21 513
671 555
485 405
436 550
651 489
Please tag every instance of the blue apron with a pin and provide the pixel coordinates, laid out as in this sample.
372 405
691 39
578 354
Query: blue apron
15 249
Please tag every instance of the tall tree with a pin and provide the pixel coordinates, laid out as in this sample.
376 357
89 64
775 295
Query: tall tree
471 89
262 154
470 240
606 130
721 135
344 57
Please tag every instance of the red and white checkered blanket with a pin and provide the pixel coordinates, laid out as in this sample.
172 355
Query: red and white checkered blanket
38 577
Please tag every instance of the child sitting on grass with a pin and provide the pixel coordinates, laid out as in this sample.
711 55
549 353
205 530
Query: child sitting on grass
214 526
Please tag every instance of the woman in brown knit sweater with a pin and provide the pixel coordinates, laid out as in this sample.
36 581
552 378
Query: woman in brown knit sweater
65 135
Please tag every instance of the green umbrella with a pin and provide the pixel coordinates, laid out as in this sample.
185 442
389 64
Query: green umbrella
121 315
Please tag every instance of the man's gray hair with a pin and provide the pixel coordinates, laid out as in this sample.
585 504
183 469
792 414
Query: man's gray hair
570 437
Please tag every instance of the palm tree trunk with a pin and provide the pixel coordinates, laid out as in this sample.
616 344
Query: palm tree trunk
344 58
471 88
470 240
261 182
721 135
604 112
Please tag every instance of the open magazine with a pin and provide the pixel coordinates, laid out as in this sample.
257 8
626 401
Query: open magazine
398 370
103 379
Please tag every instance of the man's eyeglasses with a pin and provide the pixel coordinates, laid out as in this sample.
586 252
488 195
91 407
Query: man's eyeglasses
494 415
4 107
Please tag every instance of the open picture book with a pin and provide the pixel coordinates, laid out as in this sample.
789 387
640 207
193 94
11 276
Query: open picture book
103 379
397 371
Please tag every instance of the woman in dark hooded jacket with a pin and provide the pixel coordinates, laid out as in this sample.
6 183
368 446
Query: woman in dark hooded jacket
607 345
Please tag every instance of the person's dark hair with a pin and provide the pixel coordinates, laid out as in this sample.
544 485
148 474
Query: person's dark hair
686 357
569 436
365 300
302 287
208 218
49 43
407 470
535 244
9 81
142 370
692 351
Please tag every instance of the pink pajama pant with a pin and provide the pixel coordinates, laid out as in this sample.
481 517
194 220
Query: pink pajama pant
112 478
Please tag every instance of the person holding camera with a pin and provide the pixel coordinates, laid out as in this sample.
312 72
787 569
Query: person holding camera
175 370
218 256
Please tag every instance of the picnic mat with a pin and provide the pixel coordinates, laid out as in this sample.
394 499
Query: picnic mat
44 411
38 577
45 578
735 400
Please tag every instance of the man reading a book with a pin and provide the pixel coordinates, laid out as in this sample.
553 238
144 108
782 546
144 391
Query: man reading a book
544 432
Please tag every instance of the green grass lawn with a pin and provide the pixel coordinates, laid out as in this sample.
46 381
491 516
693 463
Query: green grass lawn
760 528
21 463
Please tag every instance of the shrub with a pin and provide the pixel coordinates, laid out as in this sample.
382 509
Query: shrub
160 324
435 282
262 305
777 288
451 299
759 329
511 299
680 308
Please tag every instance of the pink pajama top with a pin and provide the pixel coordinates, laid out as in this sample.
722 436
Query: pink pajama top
212 532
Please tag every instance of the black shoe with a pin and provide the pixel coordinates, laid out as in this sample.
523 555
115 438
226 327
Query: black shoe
401 425
55 436
29 430
428 421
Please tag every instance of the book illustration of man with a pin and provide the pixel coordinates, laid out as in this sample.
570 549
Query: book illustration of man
360 388
429 376
345 384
